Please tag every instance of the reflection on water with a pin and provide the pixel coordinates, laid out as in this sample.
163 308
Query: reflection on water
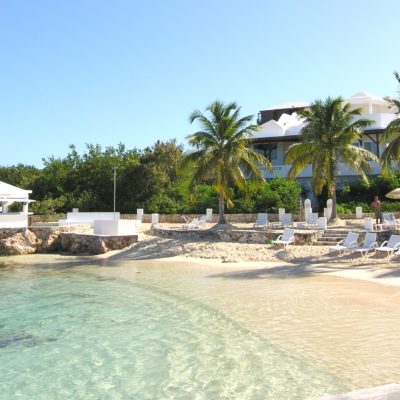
179 331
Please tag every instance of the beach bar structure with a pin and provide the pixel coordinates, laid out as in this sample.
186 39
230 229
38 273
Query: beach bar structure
11 194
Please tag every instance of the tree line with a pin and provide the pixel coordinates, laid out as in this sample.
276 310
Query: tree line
150 178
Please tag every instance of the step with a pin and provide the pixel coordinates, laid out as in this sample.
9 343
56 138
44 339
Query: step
333 236
324 243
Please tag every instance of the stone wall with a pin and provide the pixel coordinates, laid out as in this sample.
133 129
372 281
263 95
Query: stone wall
176 218
302 237
95 244
36 239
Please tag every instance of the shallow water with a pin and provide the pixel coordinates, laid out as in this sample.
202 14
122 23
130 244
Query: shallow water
151 330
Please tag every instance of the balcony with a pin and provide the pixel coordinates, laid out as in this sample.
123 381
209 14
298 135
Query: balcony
282 171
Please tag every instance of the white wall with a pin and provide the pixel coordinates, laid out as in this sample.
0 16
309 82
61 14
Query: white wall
114 228
16 220
87 217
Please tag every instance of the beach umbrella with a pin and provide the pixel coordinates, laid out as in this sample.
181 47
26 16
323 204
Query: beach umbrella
394 194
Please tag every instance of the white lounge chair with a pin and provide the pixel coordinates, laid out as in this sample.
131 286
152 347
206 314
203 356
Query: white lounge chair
349 243
286 219
390 246
369 244
262 220
286 238
389 221
311 222
197 222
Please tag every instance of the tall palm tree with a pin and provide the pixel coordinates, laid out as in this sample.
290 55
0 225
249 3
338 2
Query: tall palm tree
326 140
392 134
221 155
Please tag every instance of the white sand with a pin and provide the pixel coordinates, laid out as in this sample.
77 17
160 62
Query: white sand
374 267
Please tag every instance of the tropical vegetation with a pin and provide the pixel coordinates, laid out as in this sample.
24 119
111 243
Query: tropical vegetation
147 178
392 135
327 138
221 155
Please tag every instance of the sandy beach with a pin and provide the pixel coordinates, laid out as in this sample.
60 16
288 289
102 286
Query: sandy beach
295 259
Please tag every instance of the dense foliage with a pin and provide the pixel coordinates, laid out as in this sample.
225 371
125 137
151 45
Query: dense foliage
146 179
359 193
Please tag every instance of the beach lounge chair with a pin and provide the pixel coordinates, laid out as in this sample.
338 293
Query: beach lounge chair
286 238
286 219
195 224
262 220
390 246
186 219
349 243
369 244
311 222
389 221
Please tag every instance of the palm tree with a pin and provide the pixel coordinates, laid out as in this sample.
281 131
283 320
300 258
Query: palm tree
392 132
221 155
326 139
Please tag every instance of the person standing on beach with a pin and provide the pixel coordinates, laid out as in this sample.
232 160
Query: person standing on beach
376 205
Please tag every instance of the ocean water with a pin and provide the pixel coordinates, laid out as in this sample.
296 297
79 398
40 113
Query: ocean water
145 331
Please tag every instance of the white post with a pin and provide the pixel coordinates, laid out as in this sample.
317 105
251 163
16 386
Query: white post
154 219
281 212
115 186
307 208
359 213
329 207
209 213
139 214
25 208
322 223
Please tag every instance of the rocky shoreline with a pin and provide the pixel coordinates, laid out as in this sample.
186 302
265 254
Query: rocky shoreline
75 239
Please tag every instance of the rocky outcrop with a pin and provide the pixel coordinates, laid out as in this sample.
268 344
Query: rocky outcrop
73 238
21 242
95 244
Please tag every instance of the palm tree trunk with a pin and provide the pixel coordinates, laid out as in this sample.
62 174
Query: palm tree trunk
221 219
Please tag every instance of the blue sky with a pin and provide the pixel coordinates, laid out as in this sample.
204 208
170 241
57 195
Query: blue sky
93 71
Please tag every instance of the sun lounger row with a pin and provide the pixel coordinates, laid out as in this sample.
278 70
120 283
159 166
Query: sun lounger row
350 243
262 221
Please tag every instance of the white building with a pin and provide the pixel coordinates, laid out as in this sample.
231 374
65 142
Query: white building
280 127
8 195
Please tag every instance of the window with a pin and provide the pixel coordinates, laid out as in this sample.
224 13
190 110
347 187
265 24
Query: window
370 146
268 150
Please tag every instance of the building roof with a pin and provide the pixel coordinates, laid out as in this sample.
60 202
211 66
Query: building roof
291 124
286 106
11 193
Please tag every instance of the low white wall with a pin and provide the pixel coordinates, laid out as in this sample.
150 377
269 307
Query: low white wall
88 217
17 220
120 227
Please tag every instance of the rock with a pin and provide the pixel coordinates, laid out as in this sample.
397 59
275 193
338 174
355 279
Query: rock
20 243
97 246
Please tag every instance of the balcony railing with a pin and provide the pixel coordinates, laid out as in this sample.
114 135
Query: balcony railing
282 171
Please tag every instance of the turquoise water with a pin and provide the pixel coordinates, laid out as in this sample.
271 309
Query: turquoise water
73 334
